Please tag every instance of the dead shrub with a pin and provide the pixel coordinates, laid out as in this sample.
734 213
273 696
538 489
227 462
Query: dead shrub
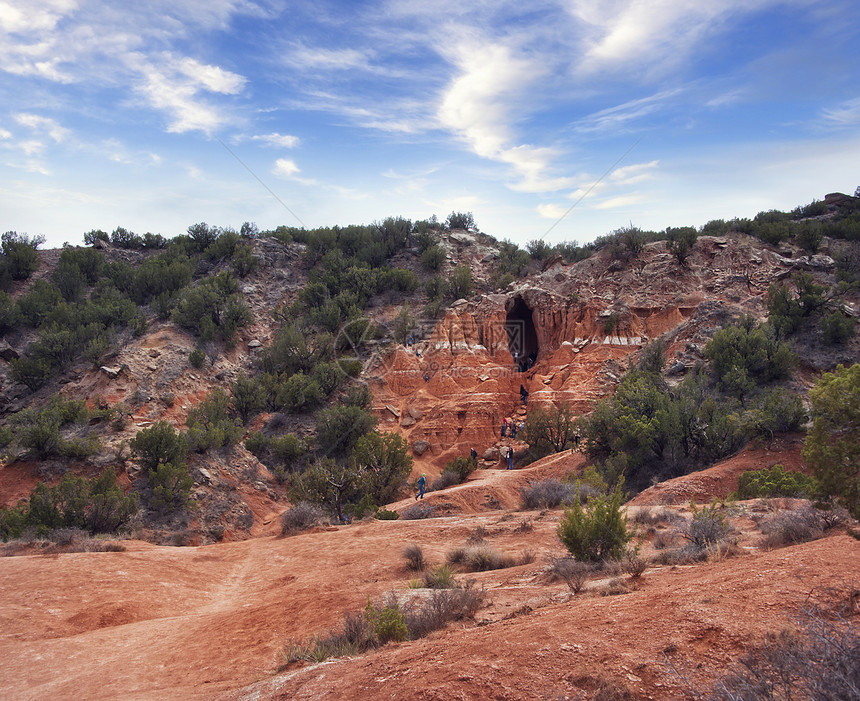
665 539
478 535
791 527
572 572
442 606
633 564
414 556
527 557
301 517
547 494
645 516
448 478
524 526
819 660
613 587
418 510
456 555
687 555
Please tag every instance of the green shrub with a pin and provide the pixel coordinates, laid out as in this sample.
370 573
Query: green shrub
597 531
439 577
98 505
460 283
18 256
197 357
171 486
257 443
386 462
837 328
248 397
832 447
680 243
160 443
434 257
210 424
462 466
461 220
775 482
339 428
386 623
386 515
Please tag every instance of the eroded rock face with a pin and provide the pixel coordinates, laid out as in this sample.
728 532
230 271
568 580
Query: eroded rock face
587 322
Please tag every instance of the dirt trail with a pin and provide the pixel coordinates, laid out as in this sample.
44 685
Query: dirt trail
210 622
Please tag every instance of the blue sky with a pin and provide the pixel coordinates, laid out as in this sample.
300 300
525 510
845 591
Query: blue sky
157 115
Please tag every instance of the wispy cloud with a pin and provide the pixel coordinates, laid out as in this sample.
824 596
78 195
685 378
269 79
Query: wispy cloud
277 140
635 173
44 125
621 116
845 115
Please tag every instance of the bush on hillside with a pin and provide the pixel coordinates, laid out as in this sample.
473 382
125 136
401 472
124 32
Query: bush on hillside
597 531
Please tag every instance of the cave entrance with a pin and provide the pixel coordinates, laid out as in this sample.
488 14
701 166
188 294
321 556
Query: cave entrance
522 335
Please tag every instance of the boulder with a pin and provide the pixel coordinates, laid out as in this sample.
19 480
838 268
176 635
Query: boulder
420 447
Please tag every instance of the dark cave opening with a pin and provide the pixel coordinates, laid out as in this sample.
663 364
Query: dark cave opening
522 335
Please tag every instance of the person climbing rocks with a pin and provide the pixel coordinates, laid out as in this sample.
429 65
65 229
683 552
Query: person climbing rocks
513 429
409 342
421 482
504 427
474 455
509 458
426 377
524 395
521 426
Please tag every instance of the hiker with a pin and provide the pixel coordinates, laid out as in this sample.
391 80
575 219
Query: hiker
409 342
521 426
513 429
524 395
509 457
576 441
504 427
421 482
426 377
474 455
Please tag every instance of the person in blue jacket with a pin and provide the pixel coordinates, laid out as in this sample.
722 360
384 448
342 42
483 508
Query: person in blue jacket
421 482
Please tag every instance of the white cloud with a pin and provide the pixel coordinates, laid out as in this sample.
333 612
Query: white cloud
5 134
551 211
286 168
45 125
211 78
634 173
620 201
485 99
173 86
36 15
279 140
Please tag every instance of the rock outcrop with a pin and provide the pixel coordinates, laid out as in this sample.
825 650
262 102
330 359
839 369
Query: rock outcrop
581 324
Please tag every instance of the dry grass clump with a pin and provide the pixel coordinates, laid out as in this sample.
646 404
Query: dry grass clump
61 540
547 494
414 556
645 516
482 558
388 622
439 577
613 587
301 517
791 527
418 510
442 606
572 572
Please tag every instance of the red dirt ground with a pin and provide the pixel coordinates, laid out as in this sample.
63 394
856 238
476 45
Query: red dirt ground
211 622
